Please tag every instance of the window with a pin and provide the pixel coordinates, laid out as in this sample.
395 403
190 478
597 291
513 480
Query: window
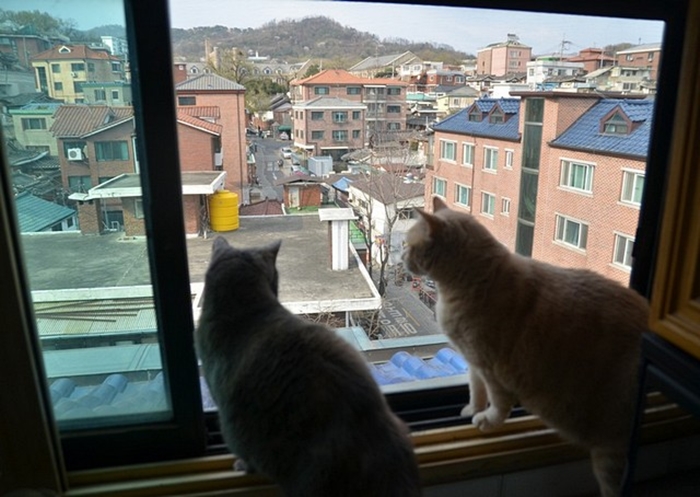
632 187
79 183
356 134
78 86
187 100
100 95
393 91
439 186
115 94
571 232
317 135
58 86
33 123
490 158
111 151
496 116
317 115
577 176
393 109
505 206
623 251
321 90
488 203
468 154
91 67
55 68
475 115
393 126
463 195
448 150
77 67
116 66
354 90
509 159
356 114
616 125
340 117
340 135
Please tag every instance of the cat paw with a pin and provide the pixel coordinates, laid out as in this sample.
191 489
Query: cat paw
488 420
467 411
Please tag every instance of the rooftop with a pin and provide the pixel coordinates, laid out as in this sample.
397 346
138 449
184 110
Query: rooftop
208 82
460 123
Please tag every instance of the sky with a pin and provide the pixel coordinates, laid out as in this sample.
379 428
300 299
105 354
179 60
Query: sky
462 28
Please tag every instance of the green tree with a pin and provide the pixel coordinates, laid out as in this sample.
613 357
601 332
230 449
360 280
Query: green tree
313 69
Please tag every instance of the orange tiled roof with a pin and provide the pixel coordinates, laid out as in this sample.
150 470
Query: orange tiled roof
342 77
77 121
76 52
201 124
200 110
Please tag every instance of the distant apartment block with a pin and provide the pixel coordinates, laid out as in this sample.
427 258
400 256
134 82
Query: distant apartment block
401 66
498 59
116 46
557 176
646 56
62 71
17 48
592 59
543 70
32 123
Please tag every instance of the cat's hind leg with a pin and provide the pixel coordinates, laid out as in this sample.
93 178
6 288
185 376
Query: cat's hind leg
609 467
478 398
500 404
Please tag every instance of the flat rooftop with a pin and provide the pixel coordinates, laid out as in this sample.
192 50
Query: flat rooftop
70 267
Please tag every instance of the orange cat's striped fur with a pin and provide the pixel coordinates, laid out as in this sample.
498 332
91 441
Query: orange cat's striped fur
564 343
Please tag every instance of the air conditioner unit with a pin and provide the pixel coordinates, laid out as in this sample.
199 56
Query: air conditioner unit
75 154
73 75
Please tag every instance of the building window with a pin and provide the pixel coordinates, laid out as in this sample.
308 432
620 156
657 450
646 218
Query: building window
115 94
490 158
448 150
340 117
33 123
321 90
78 86
317 135
622 255
393 91
77 67
632 187
317 115
505 206
79 184
55 68
58 86
496 116
91 67
356 134
463 195
187 100
393 126
475 115
571 232
354 90
393 109
440 187
356 114
100 95
111 151
468 154
340 135
616 125
488 203
509 159
116 66
577 176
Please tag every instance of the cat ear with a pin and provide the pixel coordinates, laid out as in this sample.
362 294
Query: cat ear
435 224
220 243
438 204
272 250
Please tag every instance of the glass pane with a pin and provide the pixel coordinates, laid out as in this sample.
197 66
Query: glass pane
89 279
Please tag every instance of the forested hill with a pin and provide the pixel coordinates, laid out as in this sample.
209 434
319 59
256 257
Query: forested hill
307 38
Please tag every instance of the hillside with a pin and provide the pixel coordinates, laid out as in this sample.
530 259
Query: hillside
308 38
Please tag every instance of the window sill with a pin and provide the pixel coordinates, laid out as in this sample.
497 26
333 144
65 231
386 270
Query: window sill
445 455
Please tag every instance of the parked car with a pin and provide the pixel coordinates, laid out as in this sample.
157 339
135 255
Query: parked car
284 136
286 152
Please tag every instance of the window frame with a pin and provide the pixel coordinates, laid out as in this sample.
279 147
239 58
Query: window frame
443 150
626 252
488 199
471 147
561 227
566 175
490 159
442 181
635 174
459 188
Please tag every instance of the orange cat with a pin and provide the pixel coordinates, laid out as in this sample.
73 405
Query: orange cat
564 343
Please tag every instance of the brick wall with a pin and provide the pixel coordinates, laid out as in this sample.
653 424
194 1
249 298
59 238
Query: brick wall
190 208
133 226
89 217
196 149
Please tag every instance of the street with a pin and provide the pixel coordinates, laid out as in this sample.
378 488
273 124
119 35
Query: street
404 315
267 153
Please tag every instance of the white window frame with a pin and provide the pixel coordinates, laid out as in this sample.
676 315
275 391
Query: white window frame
566 175
491 159
623 258
444 150
471 147
467 190
441 181
505 206
488 204
563 224
628 190
509 158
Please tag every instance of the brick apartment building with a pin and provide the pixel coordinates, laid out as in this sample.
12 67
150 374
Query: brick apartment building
558 177
499 59
647 56
384 100
213 91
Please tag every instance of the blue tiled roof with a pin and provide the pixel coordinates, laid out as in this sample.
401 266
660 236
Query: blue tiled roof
585 133
460 123
36 214
404 367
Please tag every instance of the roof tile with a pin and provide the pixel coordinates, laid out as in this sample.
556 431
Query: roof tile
77 121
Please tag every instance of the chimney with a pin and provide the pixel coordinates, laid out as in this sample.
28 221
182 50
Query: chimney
339 230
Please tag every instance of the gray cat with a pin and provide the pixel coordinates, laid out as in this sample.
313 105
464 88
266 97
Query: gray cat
296 402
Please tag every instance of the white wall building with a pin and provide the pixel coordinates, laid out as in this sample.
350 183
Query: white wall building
546 67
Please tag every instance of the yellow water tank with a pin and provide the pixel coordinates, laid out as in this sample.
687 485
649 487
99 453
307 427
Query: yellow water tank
223 211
